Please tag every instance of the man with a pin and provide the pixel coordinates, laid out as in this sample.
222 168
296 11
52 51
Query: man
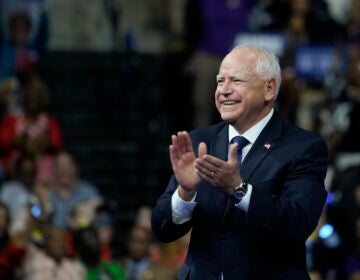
71 191
248 223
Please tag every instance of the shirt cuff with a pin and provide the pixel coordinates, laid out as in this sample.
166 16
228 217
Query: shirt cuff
181 210
244 203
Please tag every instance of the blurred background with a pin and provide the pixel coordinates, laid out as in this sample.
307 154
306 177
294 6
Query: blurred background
91 90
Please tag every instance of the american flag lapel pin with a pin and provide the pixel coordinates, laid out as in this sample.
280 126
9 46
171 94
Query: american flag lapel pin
267 146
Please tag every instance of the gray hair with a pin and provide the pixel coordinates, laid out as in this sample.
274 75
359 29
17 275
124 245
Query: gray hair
267 66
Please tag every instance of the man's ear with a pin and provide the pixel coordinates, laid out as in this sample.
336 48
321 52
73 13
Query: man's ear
270 90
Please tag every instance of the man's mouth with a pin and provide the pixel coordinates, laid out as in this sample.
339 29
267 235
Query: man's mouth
229 102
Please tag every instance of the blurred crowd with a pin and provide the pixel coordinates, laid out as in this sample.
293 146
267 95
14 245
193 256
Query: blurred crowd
54 222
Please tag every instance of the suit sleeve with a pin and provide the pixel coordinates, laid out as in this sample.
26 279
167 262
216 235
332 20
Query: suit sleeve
162 224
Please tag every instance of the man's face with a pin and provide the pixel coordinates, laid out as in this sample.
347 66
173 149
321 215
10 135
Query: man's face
241 97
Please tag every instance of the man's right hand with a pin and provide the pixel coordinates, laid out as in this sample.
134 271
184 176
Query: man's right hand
183 159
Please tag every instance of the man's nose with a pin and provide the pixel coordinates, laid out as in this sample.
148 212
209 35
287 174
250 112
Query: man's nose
225 88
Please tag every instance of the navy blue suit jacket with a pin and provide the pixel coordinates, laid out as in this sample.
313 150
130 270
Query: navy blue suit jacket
286 167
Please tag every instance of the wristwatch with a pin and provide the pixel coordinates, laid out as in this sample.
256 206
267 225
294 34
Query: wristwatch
239 192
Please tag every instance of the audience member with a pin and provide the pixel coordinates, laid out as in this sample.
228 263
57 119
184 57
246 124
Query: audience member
143 216
137 262
87 244
17 55
18 192
12 249
34 131
82 215
105 229
170 255
326 251
50 261
36 11
18 63
22 42
69 190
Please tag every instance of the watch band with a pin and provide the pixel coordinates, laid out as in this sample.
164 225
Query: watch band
239 192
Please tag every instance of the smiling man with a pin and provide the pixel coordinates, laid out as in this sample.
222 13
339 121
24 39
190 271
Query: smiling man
251 188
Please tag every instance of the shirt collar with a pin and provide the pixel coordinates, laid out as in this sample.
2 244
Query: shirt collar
253 132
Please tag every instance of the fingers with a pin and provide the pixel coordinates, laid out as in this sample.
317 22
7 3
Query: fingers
202 149
206 170
180 145
187 141
207 165
182 142
214 170
233 153
174 148
207 176
173 155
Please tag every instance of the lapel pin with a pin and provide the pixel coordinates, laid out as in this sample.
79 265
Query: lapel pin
267 146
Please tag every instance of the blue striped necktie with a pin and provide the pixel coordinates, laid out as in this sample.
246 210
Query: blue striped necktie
242 142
